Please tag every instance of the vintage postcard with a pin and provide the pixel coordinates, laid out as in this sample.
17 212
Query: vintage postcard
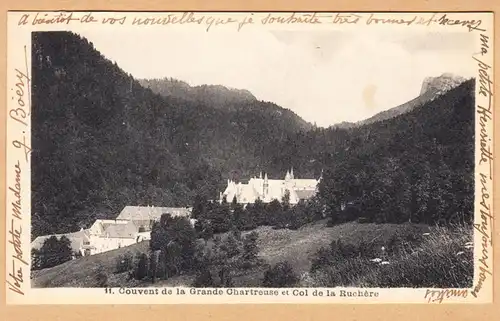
249 157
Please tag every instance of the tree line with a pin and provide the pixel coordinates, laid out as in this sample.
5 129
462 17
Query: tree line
218 217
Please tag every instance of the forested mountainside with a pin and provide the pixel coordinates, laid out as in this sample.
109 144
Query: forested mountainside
418 166
220 97
102 141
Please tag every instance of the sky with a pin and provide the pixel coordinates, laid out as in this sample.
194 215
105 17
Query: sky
324 76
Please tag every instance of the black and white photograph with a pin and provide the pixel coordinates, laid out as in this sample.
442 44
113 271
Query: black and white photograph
260 158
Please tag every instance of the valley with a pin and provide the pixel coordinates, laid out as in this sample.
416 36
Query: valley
106 140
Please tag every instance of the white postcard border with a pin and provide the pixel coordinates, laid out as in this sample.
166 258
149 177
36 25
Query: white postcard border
18 207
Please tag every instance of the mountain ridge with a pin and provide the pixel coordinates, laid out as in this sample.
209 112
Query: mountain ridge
168 86
431 88
219 97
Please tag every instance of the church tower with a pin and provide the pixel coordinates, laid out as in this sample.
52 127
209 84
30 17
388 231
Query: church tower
291 174
266 186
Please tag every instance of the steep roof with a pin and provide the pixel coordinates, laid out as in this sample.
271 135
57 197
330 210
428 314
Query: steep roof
151 213
100 226
248 194
120 231
147 224
303 183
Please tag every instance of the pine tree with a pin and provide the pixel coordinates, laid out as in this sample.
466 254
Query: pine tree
250 247
142 267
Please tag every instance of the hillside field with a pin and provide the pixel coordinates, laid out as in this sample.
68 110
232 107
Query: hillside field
295 246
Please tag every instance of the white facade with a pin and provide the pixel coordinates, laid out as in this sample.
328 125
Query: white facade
107 235
267 189
103 244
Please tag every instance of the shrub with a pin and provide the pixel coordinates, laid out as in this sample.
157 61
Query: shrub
342 273
344 251
125 263
206 232
204 279
339 252
366 250
280 275
101 277
440 261
363 220
322 258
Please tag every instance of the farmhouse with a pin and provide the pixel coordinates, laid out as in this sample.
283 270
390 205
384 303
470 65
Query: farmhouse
131 226
106 235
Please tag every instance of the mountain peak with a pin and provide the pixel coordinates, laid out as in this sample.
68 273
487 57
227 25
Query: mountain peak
431 88
223 92
217 95
441 84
